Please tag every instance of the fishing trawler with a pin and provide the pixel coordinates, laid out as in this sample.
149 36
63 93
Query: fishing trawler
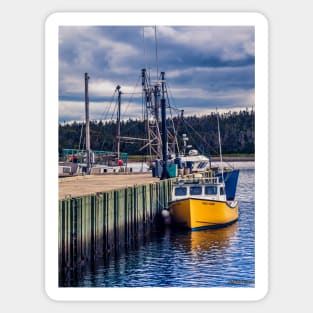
200 200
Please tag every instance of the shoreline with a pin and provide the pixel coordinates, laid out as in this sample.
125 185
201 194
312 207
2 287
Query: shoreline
234 159
213 159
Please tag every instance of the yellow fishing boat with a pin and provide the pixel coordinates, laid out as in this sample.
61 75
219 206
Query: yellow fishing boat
200 202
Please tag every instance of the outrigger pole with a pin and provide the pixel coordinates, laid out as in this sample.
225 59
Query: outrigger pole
88 152
165 174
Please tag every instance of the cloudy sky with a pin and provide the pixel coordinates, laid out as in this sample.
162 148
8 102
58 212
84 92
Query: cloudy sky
205 68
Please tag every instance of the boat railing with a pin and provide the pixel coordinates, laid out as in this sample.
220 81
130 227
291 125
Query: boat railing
197 180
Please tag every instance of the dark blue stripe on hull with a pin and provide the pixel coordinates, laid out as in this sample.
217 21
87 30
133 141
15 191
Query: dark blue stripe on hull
216 226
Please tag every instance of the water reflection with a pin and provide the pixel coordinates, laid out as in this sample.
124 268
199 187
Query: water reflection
221 257
212 239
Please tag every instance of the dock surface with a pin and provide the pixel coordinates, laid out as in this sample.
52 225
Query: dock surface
77 186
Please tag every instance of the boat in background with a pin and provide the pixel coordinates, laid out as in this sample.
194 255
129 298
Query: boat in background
199 163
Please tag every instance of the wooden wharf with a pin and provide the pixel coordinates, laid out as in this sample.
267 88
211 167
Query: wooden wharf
100 216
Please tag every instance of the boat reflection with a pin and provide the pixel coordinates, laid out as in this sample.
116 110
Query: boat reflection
212 239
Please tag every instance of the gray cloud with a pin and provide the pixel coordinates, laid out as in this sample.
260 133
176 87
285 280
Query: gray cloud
206 67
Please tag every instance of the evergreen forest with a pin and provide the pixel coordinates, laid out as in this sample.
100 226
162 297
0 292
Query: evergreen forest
236 129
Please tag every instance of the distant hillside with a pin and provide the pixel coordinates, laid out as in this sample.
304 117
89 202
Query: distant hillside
237 133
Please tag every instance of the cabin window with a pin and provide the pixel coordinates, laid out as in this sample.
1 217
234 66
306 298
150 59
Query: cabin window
222 191
194 191
180 191
210 190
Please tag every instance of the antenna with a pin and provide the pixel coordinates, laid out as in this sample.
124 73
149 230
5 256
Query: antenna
156 52
144 47
219 142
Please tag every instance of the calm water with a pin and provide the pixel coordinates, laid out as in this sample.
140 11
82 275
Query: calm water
211 258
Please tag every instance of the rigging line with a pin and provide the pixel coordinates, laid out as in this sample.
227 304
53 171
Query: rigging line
174 142
132 94
197 133
81 142
175 108
115 110
202 139
81 135
171 95
171 119
130 100
105 113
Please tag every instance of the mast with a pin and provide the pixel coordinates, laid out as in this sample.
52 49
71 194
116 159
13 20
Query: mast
146 95
151 97
118 122
156 103
165 174
156 92
88 154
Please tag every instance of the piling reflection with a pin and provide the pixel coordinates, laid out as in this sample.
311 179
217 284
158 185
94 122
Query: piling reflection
74 270
198 245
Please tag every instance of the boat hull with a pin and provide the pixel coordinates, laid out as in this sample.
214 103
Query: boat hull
202 213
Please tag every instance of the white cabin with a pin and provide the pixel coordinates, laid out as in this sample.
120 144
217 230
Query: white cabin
207 188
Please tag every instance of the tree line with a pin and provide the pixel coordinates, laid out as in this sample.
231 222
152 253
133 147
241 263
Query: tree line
236 130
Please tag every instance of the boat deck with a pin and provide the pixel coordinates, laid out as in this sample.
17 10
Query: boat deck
76 186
